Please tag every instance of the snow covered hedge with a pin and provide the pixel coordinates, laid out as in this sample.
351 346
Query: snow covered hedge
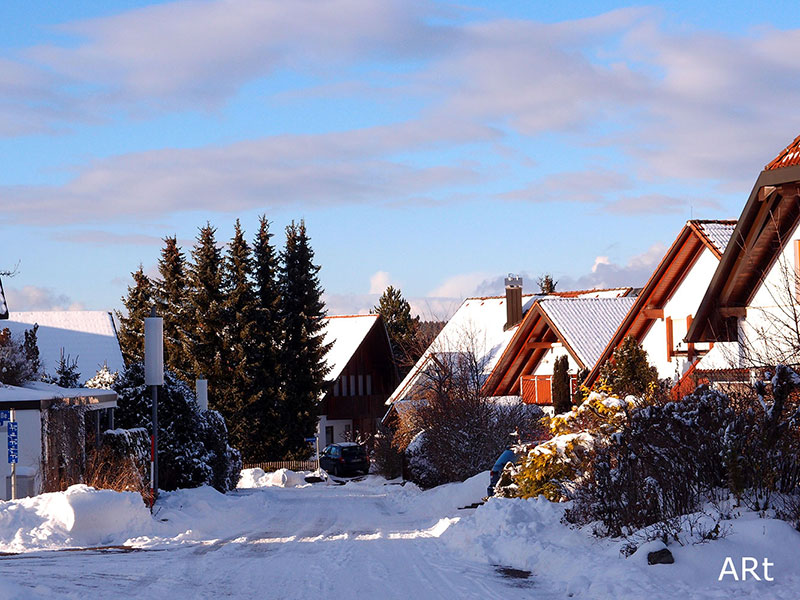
193 443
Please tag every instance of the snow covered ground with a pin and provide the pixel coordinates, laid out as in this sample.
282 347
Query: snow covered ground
277 537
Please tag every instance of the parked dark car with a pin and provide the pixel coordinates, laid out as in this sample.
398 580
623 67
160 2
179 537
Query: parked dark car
344 458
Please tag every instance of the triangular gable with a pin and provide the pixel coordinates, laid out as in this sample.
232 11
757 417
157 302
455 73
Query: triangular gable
693 238
480 319
582 325
771 214
345 334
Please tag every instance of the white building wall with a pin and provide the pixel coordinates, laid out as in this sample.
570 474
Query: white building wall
683 303
771 312
545 366
30 450
340 428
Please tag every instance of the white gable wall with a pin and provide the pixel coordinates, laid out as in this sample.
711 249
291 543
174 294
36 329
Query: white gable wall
684 302
545 366
769 319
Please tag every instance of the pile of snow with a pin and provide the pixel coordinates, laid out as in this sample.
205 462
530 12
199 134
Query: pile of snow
257 478
530 535
443 499
81 516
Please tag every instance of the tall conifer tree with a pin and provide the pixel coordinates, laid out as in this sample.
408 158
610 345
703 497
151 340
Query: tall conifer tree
172 302
400 325
206 301
240 395
303 351
138 304
265 413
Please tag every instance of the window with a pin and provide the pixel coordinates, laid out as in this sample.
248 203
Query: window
328 435
343 378
336 388
352 385
360 385
369 385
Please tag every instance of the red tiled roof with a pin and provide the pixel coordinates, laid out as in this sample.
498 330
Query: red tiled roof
788 157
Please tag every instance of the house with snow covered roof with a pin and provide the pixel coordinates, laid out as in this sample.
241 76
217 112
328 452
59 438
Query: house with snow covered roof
87 336
577 326
481 327
753 298
666 305
362 376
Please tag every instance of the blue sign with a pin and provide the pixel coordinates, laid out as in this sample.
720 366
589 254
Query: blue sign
5 415
311 439
13 440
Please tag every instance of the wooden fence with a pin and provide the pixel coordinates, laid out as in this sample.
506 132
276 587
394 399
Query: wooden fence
274 465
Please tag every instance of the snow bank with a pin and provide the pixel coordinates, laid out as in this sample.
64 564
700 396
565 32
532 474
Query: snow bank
81 516
528 534
443 499
257 478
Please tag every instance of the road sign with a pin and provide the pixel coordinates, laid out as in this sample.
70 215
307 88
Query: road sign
5 415
311 439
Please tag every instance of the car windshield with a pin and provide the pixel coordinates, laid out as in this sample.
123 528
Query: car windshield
353 451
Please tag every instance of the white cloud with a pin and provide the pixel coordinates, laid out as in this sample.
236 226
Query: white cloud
458 286
30 297
379 282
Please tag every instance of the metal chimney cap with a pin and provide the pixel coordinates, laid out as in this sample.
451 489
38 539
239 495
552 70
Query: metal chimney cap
513 281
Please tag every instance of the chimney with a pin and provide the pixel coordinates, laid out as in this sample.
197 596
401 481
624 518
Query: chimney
513 300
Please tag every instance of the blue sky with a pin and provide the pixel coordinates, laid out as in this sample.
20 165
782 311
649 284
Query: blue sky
435 146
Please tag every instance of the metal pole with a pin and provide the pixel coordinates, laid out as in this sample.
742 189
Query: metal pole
317 443
13 415
154 449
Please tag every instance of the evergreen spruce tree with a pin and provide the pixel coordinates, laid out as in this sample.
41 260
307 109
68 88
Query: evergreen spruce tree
303 352
204 340
265 413
400 325
629 372
172 304
240 395
138 303
560 386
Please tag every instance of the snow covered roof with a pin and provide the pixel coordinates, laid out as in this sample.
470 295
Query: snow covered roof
587 324
345 333
717 233
37 392
477 326
88 336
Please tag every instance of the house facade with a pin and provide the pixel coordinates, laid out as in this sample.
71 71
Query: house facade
753 299
477 333
577 325
666 306
361 378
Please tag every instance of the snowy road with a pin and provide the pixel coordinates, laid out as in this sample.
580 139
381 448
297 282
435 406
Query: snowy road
360 540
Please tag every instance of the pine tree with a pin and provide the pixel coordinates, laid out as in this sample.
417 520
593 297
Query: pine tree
303 352
400 325
204 340
138 303
560 386
629 372
264 414
172 304
240 393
